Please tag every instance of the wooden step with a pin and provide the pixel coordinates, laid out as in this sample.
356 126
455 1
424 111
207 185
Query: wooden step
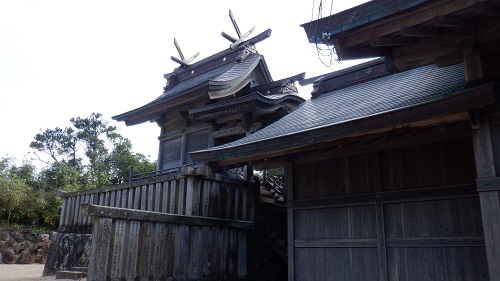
73 273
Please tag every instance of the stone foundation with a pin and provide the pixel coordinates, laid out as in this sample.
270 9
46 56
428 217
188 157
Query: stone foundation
68 250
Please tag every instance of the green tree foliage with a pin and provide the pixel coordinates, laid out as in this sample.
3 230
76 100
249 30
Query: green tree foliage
89 154
122 159
59 144
93 132
13 192
105 157
24 199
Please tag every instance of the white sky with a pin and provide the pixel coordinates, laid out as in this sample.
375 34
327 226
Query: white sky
63 59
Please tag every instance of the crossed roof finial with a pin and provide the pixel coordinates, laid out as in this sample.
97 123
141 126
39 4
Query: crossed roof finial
182 61
236 41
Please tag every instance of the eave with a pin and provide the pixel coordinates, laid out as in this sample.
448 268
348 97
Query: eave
252 102
191 83
240 74
442 111
412 32
355 17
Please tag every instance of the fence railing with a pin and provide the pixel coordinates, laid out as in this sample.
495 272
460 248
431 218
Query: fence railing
187 191
158 173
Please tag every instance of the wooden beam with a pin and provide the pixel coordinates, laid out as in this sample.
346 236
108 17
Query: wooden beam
447 21
376 141
289 186
381 242
488 184
229 37
486 9
473 67
489 200
357 52
424 57
412 195
467 241
487 31
336 243
425 51
420 31
449 59
425 45
391 41
122 213
467 41
391 25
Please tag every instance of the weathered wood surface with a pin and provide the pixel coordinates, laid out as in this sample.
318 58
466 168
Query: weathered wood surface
157 247
443 163
407 213
128 214
184 193
408 240
187 225
486 158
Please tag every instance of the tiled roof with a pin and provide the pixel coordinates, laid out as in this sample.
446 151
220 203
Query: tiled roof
197 80
226 78
390 93
257 99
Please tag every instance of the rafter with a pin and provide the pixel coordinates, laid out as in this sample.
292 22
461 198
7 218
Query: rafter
420 31
447 21
391 41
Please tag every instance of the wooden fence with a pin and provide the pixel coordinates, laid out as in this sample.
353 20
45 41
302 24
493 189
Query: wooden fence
132 245
186 192
186 225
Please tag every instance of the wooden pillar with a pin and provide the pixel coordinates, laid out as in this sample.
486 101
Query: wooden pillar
488 184
485 158
161 123
290 235
466 38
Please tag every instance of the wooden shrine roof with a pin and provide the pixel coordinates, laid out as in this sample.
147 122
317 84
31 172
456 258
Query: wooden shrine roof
264 98
319 30
377 105
220 75
413 32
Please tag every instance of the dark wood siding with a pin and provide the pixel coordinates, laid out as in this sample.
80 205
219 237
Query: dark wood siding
172 153
436 164
196 141
406 213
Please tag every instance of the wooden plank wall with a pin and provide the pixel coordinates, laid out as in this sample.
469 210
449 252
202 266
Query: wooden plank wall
408 213
427 165
160 247
175 194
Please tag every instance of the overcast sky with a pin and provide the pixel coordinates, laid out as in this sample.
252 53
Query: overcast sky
63 59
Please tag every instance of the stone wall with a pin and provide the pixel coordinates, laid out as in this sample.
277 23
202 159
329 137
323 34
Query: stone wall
23 247
68 250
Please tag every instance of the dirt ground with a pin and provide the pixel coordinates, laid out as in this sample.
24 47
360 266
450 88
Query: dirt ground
26 272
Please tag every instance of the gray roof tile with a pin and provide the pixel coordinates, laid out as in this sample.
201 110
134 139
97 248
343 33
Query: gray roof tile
197 80
395 92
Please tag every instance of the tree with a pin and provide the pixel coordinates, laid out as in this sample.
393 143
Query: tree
13 191
122 159
59 144
90 154
93 132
